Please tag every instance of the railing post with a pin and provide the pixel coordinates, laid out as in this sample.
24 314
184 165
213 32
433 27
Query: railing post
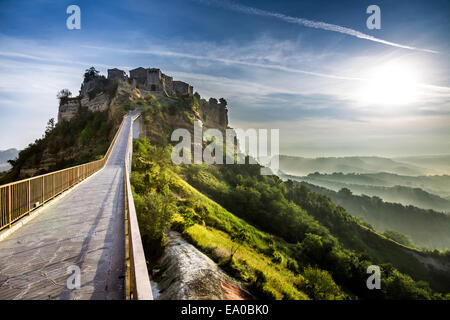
29 196
9 204
43 189
16 194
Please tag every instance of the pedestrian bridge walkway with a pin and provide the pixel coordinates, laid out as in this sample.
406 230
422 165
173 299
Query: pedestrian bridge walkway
91 226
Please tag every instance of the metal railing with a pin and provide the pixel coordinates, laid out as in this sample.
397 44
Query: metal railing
19 198
137 280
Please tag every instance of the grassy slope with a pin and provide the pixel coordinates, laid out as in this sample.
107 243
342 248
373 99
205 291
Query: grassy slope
251 256
264 262
214 227
352 234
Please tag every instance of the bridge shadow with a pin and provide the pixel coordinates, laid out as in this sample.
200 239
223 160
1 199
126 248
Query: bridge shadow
108 282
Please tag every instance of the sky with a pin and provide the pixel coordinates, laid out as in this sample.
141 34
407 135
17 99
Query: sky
311 69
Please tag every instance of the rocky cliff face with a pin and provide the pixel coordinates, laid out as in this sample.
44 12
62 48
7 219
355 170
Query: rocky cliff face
213 114
79 137
100 93
188 274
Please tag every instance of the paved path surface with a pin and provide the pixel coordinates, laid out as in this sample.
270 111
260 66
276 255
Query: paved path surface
85 228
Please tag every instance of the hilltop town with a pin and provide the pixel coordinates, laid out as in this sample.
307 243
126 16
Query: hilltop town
88 121
98 93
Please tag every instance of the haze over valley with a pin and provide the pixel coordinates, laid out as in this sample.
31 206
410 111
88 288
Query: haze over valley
401 195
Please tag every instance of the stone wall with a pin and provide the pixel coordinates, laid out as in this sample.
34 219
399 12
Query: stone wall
68 108
139 75
150 80
98 103
154 80
168 84
117 74
90 85
213 115
181 88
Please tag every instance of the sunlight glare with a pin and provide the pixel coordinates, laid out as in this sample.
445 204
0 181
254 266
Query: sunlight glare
392 83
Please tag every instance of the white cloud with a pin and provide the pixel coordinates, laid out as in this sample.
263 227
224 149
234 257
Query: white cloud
309 23
258 77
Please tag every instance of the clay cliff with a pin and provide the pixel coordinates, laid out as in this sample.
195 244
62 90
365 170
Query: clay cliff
99 93
87 122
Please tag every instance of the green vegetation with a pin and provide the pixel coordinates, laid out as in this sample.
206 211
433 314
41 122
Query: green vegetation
320 285
310 250
281 239
426 192
85 138
398 237
284 240
184 103
102 84
155 204
260 260
426 228
325 234
63 95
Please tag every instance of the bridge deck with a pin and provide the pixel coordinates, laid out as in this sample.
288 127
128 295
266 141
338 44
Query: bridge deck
84 228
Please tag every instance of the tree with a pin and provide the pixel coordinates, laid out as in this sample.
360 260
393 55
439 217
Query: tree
63 95
213 101
345 192
223 102
91 74
320 285
399 237
13 163
238 239
50 126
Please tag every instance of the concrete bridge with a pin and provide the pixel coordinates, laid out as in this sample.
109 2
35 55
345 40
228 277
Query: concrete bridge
84 242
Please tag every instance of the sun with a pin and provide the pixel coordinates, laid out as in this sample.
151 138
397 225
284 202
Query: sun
393 83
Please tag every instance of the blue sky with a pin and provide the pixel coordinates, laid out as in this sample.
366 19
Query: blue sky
329 89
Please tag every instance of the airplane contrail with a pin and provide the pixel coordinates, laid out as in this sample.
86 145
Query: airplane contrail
168 53
308 23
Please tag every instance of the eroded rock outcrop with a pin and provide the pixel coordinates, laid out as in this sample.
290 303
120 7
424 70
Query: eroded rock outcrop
98 93
188 274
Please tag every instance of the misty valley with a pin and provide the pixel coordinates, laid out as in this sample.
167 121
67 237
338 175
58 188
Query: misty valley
411 209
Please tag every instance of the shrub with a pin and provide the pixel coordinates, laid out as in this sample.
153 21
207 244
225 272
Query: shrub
319 285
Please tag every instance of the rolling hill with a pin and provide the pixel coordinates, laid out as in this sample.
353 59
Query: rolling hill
439 163
428 192
427 228
302 166
5 155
